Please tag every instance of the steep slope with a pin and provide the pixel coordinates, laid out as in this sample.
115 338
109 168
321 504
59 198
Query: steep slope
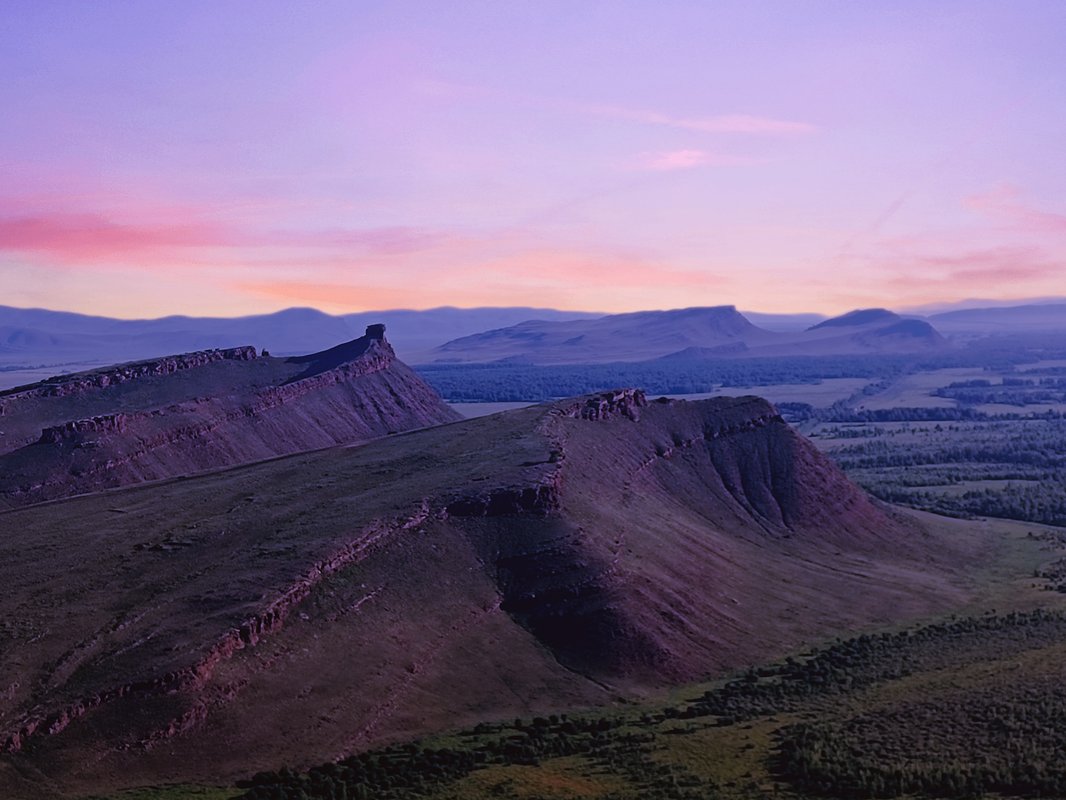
174 416
618 337
299 609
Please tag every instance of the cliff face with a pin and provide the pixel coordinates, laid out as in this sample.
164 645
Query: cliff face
202 411
296 610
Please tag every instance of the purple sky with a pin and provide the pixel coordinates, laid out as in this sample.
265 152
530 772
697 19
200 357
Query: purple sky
235 157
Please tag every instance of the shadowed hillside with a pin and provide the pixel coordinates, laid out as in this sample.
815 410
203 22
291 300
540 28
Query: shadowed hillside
311 606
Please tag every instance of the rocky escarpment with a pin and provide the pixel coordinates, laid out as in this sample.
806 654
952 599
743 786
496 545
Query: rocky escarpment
232 408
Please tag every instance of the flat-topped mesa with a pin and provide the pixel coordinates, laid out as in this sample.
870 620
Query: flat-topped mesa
375 331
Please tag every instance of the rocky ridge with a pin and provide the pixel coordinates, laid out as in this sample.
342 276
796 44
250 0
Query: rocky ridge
232 407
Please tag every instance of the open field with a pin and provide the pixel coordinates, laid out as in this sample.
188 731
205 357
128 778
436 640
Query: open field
819 395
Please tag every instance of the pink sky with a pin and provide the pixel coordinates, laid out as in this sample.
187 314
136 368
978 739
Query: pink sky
239 157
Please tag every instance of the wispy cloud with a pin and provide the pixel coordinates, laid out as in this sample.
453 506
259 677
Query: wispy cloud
1007 204
994 266
564 277
721 123
691 158
977 270
729 123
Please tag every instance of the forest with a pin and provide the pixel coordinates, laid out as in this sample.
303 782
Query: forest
1005 466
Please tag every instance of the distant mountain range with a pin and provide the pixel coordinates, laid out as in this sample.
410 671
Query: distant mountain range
690 333
57 341
31 337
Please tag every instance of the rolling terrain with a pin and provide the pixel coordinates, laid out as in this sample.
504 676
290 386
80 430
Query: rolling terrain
174 416
312 606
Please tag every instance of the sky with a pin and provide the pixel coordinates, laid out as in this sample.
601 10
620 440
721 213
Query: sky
226 158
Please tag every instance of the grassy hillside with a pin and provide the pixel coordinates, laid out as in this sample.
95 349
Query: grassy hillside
954 706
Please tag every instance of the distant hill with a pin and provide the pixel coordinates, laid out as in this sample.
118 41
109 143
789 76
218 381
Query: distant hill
696 333
208 409
307 607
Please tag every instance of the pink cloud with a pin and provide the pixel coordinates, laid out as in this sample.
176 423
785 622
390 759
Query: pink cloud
90 238
588 269
564 278
94 238
722 123
688 159
981 269
1005 202
395 240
